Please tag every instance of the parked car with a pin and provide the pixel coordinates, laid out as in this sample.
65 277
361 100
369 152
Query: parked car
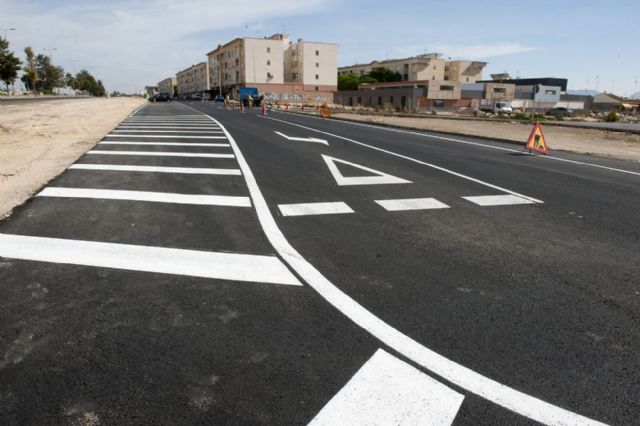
560 112
160 97
218 98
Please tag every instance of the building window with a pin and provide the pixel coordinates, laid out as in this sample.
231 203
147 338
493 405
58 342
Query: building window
268 62
379 100
268 50
317 88
317 53
549 92
317 65
391 100
499 90
447 88
467 79
237 75
294 76
433 78
317 77
359 100
269 75
236 62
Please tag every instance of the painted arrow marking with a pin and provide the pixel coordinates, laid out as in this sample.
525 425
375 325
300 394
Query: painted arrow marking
291 138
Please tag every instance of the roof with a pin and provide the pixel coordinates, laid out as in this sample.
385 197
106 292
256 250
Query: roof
545 81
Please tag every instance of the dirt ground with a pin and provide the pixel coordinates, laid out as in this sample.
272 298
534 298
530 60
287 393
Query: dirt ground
625 146
38 140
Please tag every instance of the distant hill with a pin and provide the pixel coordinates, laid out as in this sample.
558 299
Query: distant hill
583 92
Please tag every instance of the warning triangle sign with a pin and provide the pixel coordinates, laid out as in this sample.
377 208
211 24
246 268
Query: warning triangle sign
536 141
374 177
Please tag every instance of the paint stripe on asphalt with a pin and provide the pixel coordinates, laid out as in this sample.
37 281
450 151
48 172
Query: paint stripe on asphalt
161 154
305 209
388 391
157 169
164 136
163 127
195 263
411 204
498 200
166 131
155 197
219 145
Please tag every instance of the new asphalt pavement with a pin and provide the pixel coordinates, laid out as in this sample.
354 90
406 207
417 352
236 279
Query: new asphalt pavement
204 265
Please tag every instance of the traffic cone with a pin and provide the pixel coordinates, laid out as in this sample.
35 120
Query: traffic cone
264 109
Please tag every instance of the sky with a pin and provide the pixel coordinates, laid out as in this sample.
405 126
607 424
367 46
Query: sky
132 43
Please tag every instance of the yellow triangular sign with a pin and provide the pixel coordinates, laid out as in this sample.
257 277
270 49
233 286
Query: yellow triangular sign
536 141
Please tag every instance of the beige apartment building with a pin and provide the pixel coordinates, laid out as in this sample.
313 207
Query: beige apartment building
167 85
430 66
194 79
278 68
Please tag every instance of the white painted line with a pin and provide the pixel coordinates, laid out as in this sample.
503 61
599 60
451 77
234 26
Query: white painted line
136 111
291 138
305 209
166 131
497 200
388 391
164 136
380 178
157 169
415 160
162 154
489 389
411 204
163 127
429 135
194 263
155 197
216 145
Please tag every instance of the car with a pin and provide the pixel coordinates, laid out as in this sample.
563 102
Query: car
218 98
559 112
160 97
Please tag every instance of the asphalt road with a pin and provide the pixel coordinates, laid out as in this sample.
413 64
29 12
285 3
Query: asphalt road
220 271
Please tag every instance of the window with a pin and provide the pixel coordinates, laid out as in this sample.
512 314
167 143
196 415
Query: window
391 100
317 53
359 100
237 62
268 50
294 76
549 92
237 75
379 100
268 62
447 88
317 65
499 90
269 75
467 79
439 103
433 78
317 77
317 88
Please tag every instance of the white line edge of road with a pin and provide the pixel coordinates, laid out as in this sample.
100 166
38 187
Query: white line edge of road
415 160
457 374
445 138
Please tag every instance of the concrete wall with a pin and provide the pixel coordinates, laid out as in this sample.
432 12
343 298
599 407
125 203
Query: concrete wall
263 60
444 89
319 63
193 79
397 98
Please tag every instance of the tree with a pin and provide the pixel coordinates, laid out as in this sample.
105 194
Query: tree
50 76
348 82
85 82
383 75
9 64
30 71
68 80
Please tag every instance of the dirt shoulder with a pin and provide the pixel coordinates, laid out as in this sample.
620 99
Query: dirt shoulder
625 146
39 140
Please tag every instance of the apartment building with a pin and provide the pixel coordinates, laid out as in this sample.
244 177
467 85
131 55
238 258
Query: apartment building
278 68
194 79
430 66
167 85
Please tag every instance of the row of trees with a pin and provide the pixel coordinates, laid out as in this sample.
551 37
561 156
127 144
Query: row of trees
40 75
376 75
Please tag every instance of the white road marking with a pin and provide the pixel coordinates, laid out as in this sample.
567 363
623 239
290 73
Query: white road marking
428 135
304 209
157 169
415 160
504 396
291 138
136 110
154 197
388 391
165 131
218 145
411 204
194 263
497 200
164 136
162 154
380 178
163 127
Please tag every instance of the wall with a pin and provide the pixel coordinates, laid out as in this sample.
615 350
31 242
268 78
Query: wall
263 57
381 98
324 64
436 91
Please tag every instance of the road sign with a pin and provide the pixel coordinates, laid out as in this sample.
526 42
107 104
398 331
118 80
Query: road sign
536 141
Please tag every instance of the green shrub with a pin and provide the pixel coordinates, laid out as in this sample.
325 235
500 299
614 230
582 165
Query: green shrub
612 117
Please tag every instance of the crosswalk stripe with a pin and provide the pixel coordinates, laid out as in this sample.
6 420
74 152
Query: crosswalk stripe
157 169
498 200
411 204
147 136
217 145
388 391
195 263
155 197
304 209
165 131
161 154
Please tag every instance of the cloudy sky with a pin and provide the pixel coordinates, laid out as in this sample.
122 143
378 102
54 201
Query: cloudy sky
132 43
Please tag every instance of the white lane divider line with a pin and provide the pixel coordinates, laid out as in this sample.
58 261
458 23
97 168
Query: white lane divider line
195 263
219 145
157 169
148 136
304 209
415 160
485 387
411 204
498 200
161 154
388 391
166 131
155 197
380 178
